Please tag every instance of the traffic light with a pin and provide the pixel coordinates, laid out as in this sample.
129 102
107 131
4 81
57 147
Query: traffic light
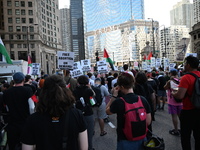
97 58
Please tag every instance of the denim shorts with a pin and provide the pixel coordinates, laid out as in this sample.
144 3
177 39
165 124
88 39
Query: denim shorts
130 145
162 93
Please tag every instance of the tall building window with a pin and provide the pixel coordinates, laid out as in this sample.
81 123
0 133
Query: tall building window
31 36
19 45
23 20
11 45
30 12
23 12
22 3
9 3
16 3
24 28
30 4
12 54
17 12
32 45
31 29
9 11
18 29
24 36
9 20
17 20
24 46
22 55
30 20
10 28
18 36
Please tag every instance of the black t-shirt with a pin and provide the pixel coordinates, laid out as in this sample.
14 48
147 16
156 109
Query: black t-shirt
86 93
47 135
162 82
118 107
16 99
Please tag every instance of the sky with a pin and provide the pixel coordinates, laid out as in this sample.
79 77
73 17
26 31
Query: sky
159 10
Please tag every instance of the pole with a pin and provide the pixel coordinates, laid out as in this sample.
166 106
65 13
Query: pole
165 42
153 38
10 44
27 41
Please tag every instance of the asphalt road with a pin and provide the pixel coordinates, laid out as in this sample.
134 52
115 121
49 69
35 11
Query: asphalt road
161 127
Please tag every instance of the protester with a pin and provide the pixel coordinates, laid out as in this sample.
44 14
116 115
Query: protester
70 82
82 94
100 112
144 89
45 129
125 67
161 91
174 108
114 79
189 117
16 100
91 81
116 105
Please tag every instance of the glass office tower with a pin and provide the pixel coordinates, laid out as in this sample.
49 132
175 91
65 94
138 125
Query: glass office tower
103 13
76 9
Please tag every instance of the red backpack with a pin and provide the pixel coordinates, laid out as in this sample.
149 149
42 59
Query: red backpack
135 126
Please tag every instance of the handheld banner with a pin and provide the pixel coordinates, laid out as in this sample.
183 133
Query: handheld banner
65 60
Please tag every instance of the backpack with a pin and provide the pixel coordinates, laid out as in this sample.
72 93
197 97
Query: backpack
195 98
173 85
98 97
135 126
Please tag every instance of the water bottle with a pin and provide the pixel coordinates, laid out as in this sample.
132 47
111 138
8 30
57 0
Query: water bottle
82 101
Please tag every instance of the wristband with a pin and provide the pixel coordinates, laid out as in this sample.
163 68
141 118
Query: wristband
114 96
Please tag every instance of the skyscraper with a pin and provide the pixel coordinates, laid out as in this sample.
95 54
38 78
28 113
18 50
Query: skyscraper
66 29
182 14
76 9
31 27
196 5
103 13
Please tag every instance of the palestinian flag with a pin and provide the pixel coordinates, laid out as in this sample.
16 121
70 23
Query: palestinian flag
149 57
4 53
105 55
29 70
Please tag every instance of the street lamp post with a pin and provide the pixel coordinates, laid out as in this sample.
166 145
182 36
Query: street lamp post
153 36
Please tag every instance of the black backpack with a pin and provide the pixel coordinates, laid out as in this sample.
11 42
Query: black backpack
195 99
98 97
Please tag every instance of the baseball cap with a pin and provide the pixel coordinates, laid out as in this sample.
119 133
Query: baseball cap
18 77
97 79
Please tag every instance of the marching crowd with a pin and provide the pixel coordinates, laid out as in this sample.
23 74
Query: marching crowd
57 112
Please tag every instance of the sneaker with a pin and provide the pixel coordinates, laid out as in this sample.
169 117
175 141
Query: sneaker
174 132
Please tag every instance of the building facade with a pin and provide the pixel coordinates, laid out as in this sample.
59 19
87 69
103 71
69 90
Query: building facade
66 29
124 42
182 14
196 8
174 42
76 10
100 14
31 27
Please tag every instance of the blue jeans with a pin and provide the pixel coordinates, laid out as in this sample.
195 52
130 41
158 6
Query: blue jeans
130 145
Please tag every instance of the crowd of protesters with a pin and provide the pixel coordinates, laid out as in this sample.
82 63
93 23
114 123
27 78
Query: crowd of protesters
56 111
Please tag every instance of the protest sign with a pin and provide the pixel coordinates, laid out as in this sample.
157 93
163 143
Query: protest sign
77 70
65 60
36 69
86 65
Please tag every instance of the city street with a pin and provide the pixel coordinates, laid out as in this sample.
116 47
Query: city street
161 127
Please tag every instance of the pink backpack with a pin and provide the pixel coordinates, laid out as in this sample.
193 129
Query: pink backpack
135 126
